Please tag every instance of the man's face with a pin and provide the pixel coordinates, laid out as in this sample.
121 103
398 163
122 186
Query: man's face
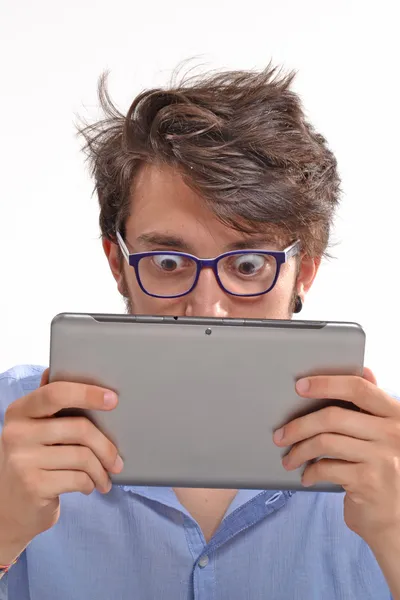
164 207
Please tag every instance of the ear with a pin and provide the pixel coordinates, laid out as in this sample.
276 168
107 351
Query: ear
307 272
112 253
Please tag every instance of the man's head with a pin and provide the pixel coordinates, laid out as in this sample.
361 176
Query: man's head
219 163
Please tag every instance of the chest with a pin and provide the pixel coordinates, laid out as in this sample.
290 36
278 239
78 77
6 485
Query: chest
132 548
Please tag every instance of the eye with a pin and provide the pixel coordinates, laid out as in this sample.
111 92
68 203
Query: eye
168 262
250 264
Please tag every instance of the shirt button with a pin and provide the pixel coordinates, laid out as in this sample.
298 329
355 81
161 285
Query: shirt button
203 561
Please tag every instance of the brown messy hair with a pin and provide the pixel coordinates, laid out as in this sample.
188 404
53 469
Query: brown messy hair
239 138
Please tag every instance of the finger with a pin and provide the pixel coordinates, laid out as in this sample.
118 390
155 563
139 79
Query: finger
369 376
328 470
361 392
74 458
53 483
332 419
48 400
45 378
77 430
327 444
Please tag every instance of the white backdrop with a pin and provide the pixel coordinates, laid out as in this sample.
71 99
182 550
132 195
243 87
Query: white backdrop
51 56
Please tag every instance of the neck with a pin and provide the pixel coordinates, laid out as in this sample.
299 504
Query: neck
207 506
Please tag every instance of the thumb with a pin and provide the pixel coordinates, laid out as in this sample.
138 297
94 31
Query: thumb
369 376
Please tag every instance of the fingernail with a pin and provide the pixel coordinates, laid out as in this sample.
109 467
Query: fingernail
305 484
302 386
110 399
118 465
278 435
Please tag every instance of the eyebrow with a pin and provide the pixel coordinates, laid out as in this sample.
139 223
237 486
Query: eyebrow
175 242
253 243
155 238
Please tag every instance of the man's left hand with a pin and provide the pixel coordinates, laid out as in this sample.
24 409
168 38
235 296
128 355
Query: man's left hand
364 448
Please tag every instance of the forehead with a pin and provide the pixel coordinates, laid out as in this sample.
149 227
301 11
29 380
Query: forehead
161 201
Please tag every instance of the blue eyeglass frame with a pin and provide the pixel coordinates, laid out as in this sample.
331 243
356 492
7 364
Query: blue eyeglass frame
281 257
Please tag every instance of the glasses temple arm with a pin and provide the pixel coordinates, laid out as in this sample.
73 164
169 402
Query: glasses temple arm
293 250
123 246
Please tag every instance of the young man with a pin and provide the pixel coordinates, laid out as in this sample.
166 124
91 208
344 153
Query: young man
225 162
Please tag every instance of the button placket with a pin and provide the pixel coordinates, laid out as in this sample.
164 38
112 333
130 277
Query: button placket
203 561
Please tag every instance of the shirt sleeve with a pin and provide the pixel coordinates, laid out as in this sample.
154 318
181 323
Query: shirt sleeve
15 383
4 587
7 393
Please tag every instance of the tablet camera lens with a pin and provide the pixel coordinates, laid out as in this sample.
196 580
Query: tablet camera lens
208 331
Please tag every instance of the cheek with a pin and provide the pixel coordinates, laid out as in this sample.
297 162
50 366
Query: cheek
283 290
278 301
146 305
143 304
274 305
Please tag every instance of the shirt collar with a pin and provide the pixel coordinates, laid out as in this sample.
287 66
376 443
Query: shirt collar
167 496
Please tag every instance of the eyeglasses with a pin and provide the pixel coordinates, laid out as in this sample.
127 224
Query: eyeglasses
245 273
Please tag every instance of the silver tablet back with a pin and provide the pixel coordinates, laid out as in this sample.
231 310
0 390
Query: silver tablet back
199 399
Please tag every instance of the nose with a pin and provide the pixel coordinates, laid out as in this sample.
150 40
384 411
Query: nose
207 299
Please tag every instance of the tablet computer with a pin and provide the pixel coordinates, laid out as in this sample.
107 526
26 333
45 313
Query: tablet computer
199 398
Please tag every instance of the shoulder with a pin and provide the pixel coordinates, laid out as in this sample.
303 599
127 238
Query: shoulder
16 382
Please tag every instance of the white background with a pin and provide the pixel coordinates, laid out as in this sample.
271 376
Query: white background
51 56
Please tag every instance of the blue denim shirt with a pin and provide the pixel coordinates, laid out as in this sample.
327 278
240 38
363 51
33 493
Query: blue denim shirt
139 543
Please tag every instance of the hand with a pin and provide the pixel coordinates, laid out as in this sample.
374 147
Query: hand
364 450
42 456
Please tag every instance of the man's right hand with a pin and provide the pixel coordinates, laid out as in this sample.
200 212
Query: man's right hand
43 456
